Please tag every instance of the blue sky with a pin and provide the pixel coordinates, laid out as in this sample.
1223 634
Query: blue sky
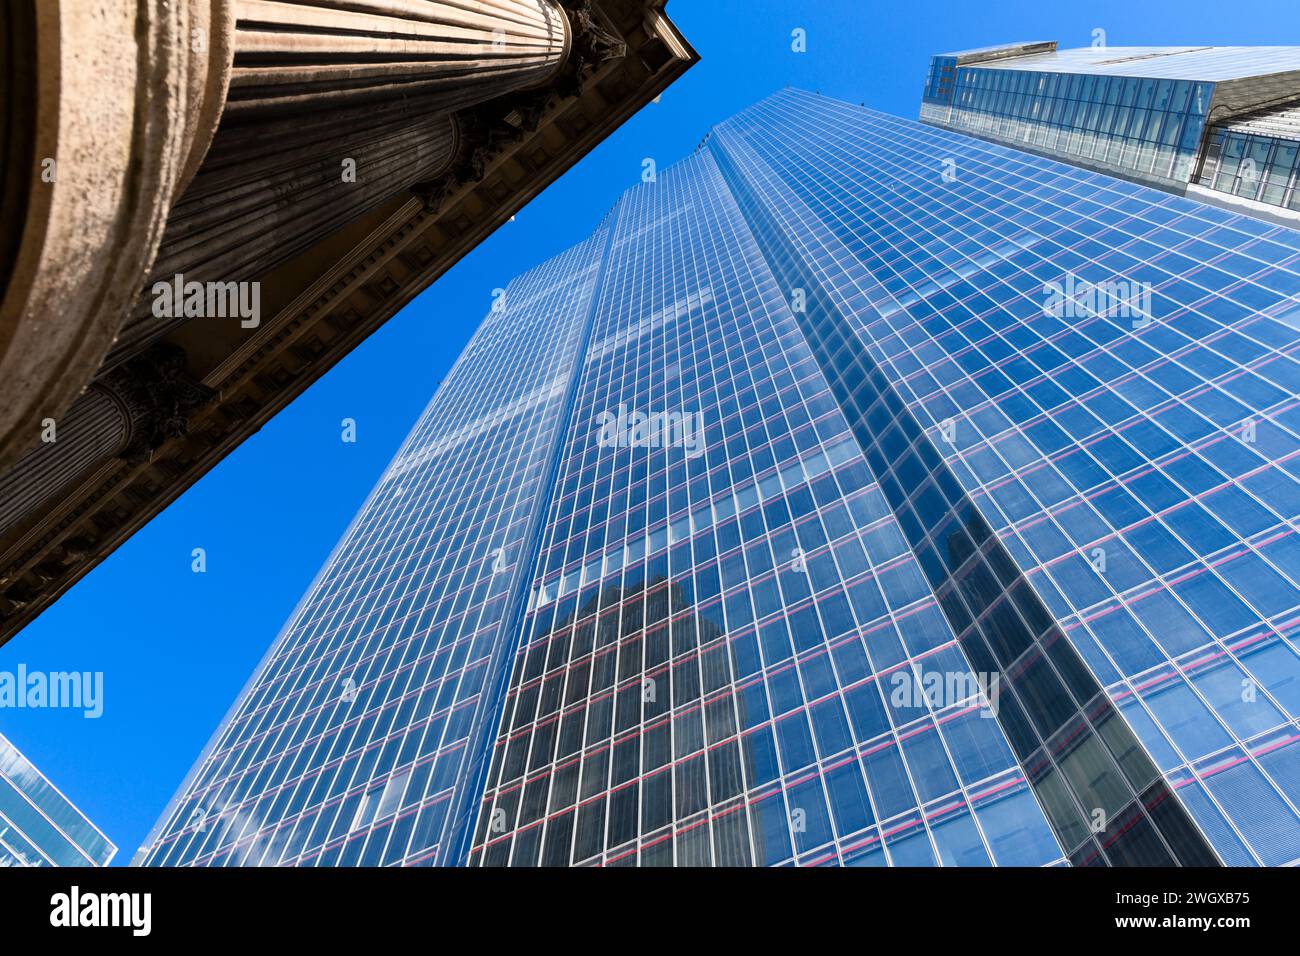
175 647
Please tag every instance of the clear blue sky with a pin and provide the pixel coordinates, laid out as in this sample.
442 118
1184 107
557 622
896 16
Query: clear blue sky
175 647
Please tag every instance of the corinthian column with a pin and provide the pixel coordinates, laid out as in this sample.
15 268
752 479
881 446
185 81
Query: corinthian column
126 414
333 108
106 109
243 217
94 428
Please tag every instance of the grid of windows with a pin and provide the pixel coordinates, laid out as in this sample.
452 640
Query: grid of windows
717 642
938 82
1140 469
666 572
1150 127
1000 622
1139 112
1244 160
362 736
38 826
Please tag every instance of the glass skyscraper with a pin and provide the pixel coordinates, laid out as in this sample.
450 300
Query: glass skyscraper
1218 123
860 493
39 826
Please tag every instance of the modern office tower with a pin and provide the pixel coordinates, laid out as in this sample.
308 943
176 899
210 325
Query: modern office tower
859 493
38 824
1221 124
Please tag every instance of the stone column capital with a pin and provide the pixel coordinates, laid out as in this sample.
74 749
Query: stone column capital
157 396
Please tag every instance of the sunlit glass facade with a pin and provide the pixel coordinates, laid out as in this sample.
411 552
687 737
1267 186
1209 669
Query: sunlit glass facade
39 826
861 493
708 672
362 738
1256 158
1219 118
